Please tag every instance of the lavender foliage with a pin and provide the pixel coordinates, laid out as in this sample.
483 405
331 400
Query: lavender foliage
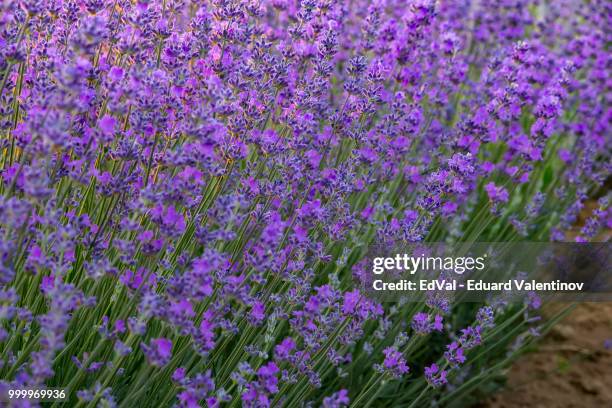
185 187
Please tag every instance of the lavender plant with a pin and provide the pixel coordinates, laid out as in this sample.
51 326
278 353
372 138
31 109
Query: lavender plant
186 189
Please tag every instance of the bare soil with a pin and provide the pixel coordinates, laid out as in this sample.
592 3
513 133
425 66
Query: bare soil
571 367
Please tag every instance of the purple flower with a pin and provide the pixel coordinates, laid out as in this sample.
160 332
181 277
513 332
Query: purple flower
435 376
258 312
337 400
172 222
131 279
119 326
422 324
205 336
107 125
485 317
121 348
158 352
437 323
284 348
178 374
182 308
313 157
454 354
258 392
496 194
394 363
268 374
351 300
470 337
533 301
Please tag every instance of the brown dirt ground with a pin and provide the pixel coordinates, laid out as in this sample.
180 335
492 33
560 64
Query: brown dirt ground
571 367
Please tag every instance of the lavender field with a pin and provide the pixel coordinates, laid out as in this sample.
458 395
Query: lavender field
188 190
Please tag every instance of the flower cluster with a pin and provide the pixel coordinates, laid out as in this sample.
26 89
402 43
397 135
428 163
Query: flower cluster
187 187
